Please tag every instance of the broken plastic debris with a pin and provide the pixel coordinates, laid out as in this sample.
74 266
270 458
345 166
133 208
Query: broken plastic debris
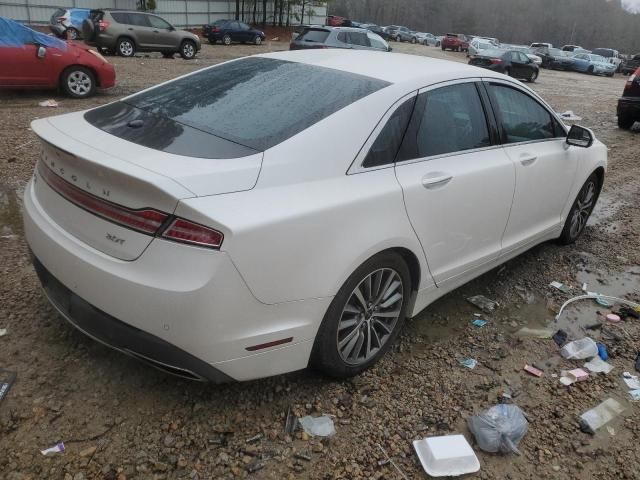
602 302
570 116
446 456
534 332
632 381
635 394
579 349
595 418
483 303
321 426
468 362
6 380
597 365
479 323
637 366
560 286
499 429
57 448
560 337
536 372
3 332
48 103
572 376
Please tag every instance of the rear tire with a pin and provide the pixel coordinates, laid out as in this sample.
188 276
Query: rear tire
533 77
72 33
78 82
188 49
413 40
226 39
590 70
126 47
625 121
399 39
443 48
507 72
581 210
353 336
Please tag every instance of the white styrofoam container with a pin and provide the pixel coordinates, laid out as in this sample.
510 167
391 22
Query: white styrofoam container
450 455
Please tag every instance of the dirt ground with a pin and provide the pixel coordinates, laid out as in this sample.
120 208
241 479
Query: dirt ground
120 419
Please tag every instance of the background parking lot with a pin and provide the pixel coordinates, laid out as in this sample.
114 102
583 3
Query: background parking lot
121 419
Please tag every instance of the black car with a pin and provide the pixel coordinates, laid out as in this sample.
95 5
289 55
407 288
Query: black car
629 104
229 31
555 58
207 28
510 62
379 31
631 65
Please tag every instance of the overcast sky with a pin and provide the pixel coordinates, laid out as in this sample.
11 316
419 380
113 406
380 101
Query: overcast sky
632 4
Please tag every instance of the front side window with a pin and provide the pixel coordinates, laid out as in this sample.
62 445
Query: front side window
360 39
244 26
523 118
157 22
377 42
446 120
385 148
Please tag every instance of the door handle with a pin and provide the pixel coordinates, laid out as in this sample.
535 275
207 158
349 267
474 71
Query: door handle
130 28
435 180
527 160
156 31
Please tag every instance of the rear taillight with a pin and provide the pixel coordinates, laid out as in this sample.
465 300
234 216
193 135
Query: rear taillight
181 230
102 25
145 220
495 61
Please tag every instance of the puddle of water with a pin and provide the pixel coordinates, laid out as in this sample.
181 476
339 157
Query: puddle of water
10 211
606 208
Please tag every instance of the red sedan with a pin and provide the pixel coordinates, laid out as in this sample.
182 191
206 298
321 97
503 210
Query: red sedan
36 60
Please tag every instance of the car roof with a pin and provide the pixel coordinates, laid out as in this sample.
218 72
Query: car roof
395 68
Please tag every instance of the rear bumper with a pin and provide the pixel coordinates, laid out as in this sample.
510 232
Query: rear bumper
183 306
629 106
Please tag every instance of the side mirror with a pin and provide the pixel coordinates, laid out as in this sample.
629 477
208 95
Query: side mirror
171 28
580 137
41 52
389 48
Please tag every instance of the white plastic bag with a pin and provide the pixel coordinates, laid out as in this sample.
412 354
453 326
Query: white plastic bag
318 426
499 429
580 349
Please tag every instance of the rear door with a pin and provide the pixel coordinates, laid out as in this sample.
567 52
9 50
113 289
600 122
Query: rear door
234 31
545 168
458 183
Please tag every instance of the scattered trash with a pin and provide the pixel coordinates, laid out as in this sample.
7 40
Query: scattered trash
6 380
570 116
635 394
255 466
632 381
483 303
57 448
638 363
625 312
321 426
560 337
302 456
611 431
602 351
534 332
499 429
596 296
602 302
536 372
3 332
392 462
48 103
598 365
254 439
479 323
290 423
595 418
468 362
579 349
446 456
572 376
560 286
612 317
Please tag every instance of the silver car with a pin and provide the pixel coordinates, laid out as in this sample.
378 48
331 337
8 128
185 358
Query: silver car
339 37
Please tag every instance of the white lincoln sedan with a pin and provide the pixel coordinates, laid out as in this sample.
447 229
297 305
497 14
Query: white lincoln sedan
292 209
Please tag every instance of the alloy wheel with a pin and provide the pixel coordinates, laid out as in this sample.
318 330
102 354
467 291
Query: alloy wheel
126 48
258 40
370 316
226 40
79 83
188 50
584 205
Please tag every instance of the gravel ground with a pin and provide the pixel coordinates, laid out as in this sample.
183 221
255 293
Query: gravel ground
120 419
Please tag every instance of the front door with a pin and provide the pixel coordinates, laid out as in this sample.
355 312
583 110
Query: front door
545 168
458 184
141 30
163 34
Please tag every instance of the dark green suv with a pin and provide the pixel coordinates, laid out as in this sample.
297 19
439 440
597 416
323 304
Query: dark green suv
124 32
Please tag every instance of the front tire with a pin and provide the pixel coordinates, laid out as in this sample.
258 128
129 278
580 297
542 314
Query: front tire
126 47
71 34
625 121
78 82
187 49
581 210
257 40
364 318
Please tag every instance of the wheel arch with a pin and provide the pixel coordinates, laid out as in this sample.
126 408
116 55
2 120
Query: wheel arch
68 67
128 37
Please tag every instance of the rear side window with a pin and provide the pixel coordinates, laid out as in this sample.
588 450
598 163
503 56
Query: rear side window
385 148
138 19
314 35
446 120
244 101
523 118
120 17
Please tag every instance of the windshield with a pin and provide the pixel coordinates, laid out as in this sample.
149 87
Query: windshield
556 52
604 52
255 102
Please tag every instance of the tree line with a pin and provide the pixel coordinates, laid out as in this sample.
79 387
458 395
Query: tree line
588 23
282 13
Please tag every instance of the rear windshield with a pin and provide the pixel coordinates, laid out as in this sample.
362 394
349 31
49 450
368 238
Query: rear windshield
314 35
256 102
605 52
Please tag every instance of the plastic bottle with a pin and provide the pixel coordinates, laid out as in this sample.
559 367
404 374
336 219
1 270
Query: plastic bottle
580 349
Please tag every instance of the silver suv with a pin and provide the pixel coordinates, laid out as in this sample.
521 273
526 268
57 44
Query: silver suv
124 32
